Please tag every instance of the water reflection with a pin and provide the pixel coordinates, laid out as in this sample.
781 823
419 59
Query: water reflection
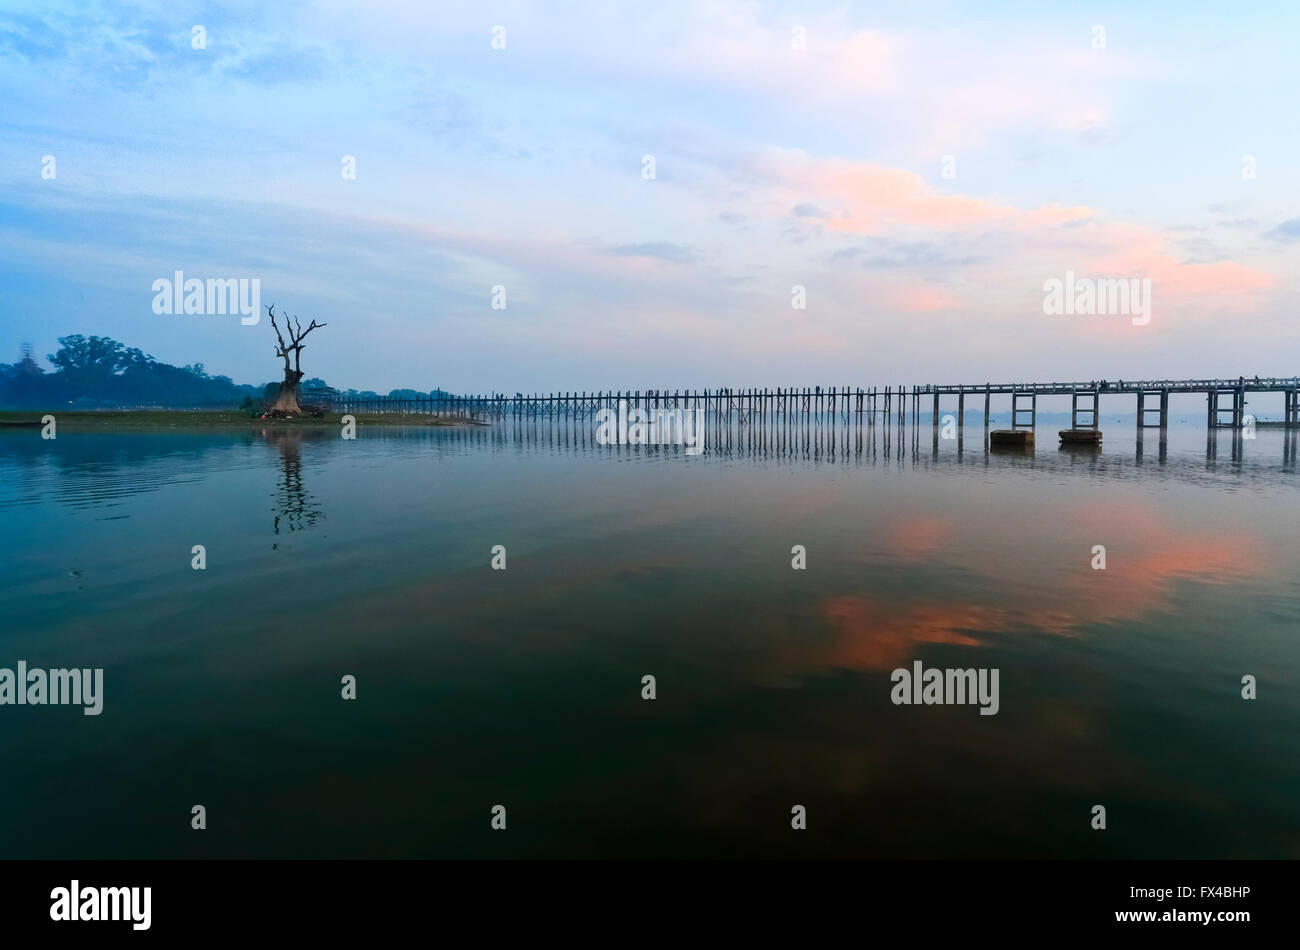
89 470
102 469
1121 682
295 507
1183 453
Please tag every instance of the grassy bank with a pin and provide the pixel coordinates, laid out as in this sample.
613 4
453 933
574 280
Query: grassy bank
213 419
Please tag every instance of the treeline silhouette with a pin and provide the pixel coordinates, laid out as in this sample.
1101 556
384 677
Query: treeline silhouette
100 373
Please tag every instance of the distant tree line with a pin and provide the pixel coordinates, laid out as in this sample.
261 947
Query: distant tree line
100 373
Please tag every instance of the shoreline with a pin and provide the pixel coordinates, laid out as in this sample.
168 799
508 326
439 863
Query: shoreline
215 419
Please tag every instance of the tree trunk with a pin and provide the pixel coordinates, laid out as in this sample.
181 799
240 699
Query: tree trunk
287 401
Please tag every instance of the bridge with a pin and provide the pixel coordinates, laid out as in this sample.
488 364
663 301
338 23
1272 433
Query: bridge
1086 396
778 406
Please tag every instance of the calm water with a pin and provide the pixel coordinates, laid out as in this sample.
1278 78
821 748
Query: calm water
522 687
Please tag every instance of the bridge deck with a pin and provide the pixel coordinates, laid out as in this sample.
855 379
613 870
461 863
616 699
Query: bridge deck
1131 386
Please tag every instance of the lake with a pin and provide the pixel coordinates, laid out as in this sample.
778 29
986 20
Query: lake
475 687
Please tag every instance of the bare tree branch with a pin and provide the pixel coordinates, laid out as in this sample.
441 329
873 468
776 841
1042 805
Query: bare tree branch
280 350
292 370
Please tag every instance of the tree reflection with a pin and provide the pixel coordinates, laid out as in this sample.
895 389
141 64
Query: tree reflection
295 507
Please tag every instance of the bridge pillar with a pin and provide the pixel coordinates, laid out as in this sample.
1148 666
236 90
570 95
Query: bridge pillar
1162 408
936 410
961 408
1075 410
1016 411
1236 409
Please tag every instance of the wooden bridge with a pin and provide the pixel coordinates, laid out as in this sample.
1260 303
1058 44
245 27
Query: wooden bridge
1086 397
1225 402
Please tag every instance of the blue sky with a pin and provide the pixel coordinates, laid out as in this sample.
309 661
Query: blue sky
776 164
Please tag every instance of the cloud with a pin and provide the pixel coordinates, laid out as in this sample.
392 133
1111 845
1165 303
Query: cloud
898 221
868 198
658 250
1287 231
920 299
821 58
942 88
1115 249
887 253
521 167
30 38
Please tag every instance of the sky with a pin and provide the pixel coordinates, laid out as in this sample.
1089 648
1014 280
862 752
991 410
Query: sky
920 170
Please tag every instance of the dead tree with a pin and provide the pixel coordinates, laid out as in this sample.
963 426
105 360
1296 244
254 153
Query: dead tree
287 401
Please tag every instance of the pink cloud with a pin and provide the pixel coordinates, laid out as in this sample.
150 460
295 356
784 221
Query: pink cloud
865 198
1124 250
918 298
